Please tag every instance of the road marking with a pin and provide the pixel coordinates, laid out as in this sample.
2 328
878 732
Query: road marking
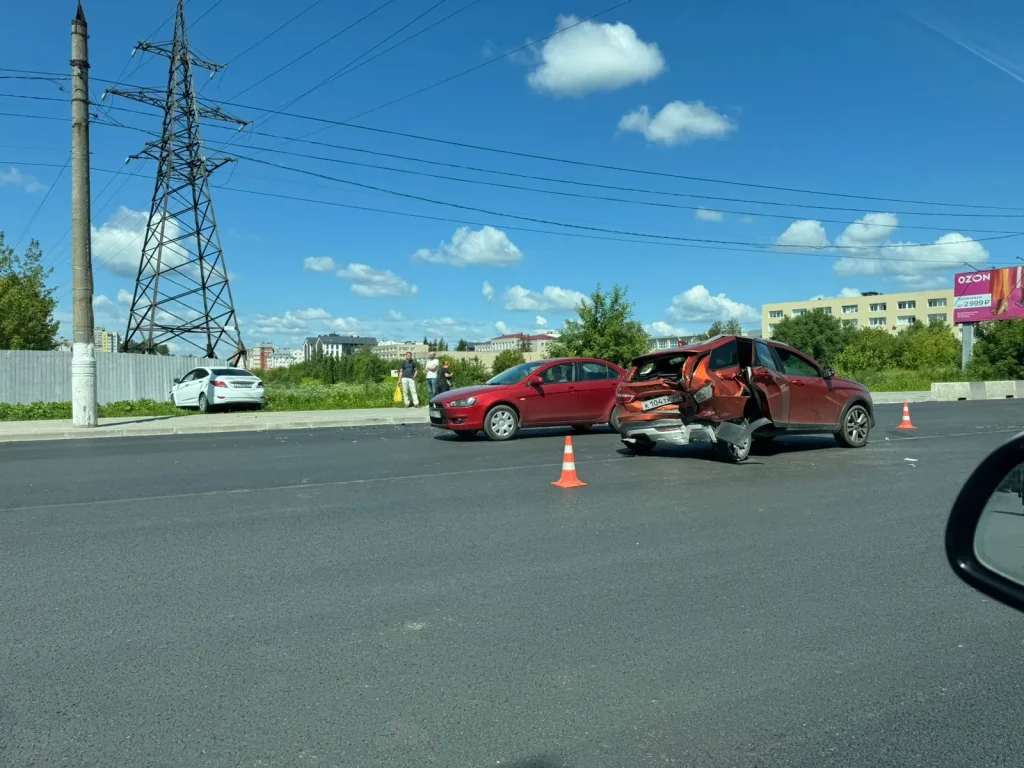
299 486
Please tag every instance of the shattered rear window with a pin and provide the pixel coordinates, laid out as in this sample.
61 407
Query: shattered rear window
661 368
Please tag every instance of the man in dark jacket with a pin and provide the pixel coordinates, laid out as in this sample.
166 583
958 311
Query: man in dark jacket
407 381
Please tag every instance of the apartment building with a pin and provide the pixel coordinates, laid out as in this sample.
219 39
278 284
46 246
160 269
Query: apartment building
396 350
537 344
887 311
335 345
106 341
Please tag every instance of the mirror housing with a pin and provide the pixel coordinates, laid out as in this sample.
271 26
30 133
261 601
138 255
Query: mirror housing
177 381
536 381
989 515
829 372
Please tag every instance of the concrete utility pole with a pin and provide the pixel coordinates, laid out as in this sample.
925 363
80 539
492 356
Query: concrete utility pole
83 352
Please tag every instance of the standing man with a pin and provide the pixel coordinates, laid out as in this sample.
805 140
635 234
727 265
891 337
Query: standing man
407 381
431 368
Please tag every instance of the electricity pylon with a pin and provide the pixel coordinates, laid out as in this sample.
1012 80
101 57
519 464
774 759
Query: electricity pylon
181 290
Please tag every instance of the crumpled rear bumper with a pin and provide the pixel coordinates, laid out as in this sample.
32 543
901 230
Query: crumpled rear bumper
678 432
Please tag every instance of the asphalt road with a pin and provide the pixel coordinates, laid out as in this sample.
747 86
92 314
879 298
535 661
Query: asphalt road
392 597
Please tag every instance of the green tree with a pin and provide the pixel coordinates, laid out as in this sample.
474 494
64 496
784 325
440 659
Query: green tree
922 347
26 303
506 359
998 350
817 334
730 327
869 349
605 329
524 344
462 346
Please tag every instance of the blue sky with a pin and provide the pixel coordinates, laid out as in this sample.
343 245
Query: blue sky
916 100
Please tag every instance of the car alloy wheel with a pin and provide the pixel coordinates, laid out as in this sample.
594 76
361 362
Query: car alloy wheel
856 425
733 453
204 404
502 423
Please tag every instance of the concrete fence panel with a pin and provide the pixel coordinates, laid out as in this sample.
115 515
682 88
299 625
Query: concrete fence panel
30 377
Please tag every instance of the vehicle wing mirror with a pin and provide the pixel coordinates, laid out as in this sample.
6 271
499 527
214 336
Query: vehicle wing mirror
536 381
177 381
985 531
829 372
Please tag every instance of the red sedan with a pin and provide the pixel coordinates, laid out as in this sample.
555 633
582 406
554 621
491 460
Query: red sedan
577 392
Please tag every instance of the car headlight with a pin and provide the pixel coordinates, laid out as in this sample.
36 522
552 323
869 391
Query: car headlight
465 403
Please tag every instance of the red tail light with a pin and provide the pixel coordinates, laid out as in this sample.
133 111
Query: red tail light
259 385
219 383
624 397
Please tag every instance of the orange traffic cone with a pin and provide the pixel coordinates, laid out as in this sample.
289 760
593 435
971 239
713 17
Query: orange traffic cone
568 478
906 423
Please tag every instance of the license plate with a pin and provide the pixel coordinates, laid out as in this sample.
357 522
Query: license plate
238 385
435 413
657 402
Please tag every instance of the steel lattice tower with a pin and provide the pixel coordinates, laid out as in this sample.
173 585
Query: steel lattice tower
182 290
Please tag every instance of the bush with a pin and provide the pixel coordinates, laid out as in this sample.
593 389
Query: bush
467 372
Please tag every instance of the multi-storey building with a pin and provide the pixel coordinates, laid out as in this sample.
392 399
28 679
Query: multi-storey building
106 341
335 345
886 311
537 344
396 350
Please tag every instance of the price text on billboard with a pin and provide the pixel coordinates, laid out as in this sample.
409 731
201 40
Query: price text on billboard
991 294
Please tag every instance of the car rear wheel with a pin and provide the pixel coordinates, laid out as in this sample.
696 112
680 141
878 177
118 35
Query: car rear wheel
734 453
613 421
855 427
204 404
501 423
581 427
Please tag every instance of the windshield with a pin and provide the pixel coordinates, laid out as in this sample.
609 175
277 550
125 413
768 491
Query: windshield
517 374
230 372
668 367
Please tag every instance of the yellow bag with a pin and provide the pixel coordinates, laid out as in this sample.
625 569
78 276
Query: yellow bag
398 395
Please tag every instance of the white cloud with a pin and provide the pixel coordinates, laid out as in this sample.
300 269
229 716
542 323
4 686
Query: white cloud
14 177
306 322
488 291
868 232
844 293
746 219
501 327
124 297
99 300
540 321
661 328
806 234
678 122
372 283
520 299
487 245
312 314
592 57
318 264
394 316
910 262
706 214
698 305
117 245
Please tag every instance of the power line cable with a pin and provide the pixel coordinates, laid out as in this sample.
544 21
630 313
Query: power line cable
617 187
315 48
42 202
602 166
516 228
274 31
549 222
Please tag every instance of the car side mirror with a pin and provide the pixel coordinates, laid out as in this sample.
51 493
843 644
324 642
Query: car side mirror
536 381
177 381
985 531
829 372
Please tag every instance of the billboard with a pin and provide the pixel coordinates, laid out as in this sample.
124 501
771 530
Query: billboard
990 294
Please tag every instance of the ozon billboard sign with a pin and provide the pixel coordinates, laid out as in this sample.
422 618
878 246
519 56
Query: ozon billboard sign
991 294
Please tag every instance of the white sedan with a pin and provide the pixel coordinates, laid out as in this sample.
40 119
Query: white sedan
206 388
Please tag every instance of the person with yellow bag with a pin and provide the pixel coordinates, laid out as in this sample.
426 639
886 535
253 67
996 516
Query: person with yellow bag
398 393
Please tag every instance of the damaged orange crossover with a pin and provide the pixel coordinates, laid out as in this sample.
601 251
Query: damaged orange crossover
732 390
